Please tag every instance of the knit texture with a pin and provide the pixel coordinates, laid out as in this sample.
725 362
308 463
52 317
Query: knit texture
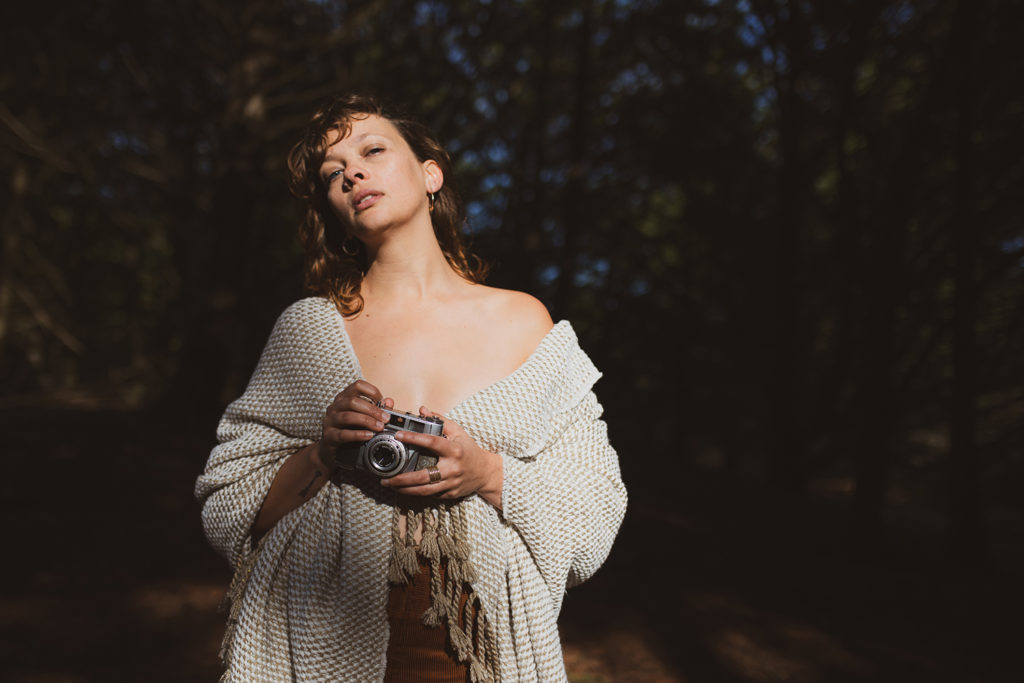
310 599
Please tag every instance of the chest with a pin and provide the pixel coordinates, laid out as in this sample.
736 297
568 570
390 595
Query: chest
430 361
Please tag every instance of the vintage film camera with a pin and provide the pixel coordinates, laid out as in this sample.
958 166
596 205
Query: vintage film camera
384 455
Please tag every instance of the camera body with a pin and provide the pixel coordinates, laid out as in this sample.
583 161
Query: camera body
385 456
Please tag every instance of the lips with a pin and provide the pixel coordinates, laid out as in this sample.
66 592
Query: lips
365 199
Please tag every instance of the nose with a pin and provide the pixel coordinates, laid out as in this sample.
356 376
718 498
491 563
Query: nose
353 174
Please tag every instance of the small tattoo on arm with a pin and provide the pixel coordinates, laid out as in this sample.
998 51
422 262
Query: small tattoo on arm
304 492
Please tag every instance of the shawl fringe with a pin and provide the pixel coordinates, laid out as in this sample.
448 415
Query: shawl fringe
231 604
443 539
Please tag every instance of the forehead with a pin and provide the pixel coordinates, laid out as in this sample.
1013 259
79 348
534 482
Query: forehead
355 130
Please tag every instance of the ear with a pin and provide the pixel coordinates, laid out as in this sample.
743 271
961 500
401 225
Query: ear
433 175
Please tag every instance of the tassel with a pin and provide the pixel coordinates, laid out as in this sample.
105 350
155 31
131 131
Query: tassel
468 573
428 544
410 565
398 564
395 573
478 673
445 546
488 640
445 543
459 534
407 562
452 596
455 577
472 618
432 617
232 601
436 612
226 642
460 642
412 522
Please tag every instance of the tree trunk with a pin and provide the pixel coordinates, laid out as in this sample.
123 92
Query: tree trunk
877 406
522 244
573 214
966 531
831 410
786 444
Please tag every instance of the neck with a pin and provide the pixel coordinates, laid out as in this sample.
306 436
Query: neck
407 266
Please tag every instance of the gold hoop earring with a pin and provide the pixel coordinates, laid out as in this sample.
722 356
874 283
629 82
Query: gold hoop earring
431 196
350 246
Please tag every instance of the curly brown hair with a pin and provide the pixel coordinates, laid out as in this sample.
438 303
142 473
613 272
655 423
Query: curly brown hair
329 271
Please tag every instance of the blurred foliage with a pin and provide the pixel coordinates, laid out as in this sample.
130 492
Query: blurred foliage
754 211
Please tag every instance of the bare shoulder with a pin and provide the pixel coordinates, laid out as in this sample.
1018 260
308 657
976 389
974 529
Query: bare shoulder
522 309
519 310
517 318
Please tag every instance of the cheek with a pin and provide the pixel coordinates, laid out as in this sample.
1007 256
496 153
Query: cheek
335 198
411 176
339 208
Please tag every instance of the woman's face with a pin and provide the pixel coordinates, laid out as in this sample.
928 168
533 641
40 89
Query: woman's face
374 180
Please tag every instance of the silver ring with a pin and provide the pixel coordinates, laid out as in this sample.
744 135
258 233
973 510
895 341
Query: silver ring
435 474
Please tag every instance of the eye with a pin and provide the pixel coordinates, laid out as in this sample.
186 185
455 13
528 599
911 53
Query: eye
374 150
334 174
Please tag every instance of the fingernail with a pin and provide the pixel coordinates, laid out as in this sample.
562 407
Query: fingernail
380 425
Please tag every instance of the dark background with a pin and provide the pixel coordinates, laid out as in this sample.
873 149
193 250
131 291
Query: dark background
788 232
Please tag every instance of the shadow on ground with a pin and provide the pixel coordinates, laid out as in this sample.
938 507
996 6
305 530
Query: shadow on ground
108 578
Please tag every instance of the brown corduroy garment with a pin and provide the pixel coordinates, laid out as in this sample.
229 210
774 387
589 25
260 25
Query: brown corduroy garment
418 653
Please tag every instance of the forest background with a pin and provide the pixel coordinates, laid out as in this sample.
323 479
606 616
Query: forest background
788 231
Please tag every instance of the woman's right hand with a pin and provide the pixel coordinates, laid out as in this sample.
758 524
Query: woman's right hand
353 416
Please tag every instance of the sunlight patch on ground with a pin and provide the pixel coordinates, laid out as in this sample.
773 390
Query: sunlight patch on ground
616 656
166 601
761 646
756 662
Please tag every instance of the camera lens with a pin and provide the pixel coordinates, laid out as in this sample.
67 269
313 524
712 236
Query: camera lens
385 456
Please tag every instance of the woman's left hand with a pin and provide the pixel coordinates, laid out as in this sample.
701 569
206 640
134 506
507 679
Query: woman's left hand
465 467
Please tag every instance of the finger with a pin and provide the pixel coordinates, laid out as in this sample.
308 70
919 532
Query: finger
336 436
451 429
420 481
349 401
427 412
422 477
366 389
346 407
361 388
349 418
407 479
433 443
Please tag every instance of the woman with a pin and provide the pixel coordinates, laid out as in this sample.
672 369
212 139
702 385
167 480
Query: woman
336 566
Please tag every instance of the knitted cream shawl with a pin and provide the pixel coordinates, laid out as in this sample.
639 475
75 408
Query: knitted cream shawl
310 599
